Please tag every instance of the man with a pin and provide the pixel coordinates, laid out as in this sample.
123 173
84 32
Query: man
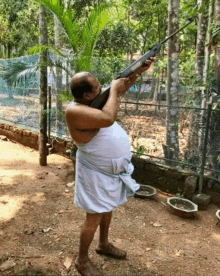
103 162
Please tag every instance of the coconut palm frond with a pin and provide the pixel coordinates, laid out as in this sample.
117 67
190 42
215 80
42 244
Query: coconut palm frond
14 72
89 34
94 24
45 48
216 30
57 61
82 38
65 16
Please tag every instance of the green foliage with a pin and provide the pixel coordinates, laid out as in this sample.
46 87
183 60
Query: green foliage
216 33
14 72
37 49
149 20
140 151
179 193
115 40
65 96
19 26
107 68
82 35
69 151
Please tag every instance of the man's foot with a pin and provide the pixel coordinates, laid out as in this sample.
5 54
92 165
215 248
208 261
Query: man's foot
87 268
112 251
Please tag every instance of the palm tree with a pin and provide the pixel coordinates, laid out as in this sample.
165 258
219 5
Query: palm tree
81 33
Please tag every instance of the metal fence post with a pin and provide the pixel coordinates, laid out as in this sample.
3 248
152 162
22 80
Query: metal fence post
204 148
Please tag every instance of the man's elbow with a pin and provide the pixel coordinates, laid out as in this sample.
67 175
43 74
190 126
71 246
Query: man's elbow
109 121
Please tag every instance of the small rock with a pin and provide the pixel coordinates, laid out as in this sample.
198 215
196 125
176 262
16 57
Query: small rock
67 191
178 253
7 265
46 230
4 257
156 224
70 184
29 231
41 176
3 138
148 249
59 167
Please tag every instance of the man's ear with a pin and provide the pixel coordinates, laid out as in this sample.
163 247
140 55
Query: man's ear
87 95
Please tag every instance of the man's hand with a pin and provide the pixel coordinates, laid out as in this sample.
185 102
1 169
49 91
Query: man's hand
121 85
145 66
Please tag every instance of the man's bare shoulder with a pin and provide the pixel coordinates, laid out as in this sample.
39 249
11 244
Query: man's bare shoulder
86 117
75 110
74 107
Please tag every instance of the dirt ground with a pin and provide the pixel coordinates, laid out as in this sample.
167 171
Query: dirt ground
39 225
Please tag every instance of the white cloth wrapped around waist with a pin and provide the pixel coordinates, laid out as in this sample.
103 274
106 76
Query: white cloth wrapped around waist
101 190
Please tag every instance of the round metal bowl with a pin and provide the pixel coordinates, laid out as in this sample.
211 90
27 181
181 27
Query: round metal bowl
182 207
146 191
218 216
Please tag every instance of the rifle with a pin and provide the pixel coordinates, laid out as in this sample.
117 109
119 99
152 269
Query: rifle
100 101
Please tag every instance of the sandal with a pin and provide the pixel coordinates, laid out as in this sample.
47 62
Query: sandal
112 251
88 269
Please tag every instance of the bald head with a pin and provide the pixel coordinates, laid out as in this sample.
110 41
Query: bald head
80 83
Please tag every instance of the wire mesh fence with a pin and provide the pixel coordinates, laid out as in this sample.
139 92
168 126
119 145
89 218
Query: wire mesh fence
145 123
198 135
143 114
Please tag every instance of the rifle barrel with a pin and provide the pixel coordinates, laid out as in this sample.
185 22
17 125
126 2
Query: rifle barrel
165 40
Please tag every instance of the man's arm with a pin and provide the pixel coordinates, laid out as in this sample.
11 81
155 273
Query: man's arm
84 121
85 117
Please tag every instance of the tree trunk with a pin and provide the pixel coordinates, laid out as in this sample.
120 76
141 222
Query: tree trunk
215 129
208 42
172 143
200 49
154 81
197 140
43 89
217 47
9 51
196 137
139 93
59 117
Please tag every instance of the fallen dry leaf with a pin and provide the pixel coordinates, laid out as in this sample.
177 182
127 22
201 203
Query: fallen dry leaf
68 262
